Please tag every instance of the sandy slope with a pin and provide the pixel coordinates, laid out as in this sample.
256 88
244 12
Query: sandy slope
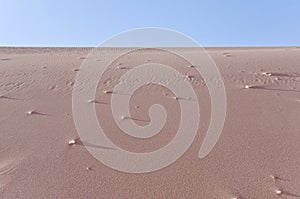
261 136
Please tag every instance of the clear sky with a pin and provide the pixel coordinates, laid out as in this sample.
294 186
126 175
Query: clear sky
89 22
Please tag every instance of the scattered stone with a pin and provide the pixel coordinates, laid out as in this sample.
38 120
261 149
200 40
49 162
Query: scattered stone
278 192
72 142
29 112
107 92
248 86
266 74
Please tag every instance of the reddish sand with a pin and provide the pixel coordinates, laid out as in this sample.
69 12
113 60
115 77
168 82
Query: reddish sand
257 155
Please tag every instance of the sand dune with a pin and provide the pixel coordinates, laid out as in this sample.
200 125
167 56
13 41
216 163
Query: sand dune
257 155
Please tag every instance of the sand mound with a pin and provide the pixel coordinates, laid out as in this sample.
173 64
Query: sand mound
257 155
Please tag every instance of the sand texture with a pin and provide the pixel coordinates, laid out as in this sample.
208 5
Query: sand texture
256 157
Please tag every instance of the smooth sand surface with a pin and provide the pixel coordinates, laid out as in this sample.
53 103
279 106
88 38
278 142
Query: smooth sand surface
257 155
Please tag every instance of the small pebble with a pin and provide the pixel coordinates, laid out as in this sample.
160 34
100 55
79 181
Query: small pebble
29 112
121 67
124 117
227 55
188 77
266 74
191 66
107 92
71 142
248 86
274 177
70 83
278 192
52 87
91 101
88 168
76 69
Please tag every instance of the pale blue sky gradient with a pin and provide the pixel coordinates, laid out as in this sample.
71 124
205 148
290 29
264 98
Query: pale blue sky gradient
89 22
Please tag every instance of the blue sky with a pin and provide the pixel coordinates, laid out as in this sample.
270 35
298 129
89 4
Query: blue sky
89 22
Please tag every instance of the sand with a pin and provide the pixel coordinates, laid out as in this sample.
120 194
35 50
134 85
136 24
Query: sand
257 155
